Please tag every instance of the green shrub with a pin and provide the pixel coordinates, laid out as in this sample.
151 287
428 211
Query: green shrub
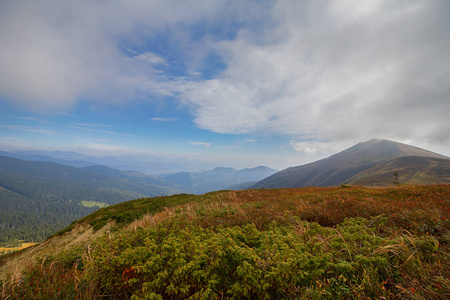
309 244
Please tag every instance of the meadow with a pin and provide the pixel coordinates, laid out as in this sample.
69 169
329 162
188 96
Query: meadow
308 243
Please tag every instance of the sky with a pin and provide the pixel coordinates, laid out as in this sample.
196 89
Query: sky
237 83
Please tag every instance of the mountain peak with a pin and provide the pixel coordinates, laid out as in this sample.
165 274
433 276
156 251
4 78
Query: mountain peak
339 167
376 140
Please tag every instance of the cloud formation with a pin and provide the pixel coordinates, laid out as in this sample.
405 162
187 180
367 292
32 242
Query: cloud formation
163 119
311 70
336 70
87 128
29 129
55 53
204 144
314 147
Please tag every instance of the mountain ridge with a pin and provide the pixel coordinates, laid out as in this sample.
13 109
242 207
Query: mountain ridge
48 195
336 169
146 163
219 178
37 198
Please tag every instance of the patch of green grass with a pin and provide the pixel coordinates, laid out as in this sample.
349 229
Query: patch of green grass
127 212
93 204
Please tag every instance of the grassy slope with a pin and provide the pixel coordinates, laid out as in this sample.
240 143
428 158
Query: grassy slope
410 170
338 168
254 244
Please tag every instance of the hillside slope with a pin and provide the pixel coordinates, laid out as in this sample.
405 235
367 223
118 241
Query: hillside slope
338 168
307 243
407 170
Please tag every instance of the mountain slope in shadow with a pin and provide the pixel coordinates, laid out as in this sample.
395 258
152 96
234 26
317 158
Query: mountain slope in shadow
340 167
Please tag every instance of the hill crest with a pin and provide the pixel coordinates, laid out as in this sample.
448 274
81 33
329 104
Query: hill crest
341 166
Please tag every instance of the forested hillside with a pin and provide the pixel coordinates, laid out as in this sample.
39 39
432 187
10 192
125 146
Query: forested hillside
40 198
34 218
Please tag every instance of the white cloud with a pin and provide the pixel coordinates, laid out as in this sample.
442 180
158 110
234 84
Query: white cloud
204 144
32 119
314 70
92 125
29 129
87 129
54 53
163 119
318 148
332 71
98 149
151 58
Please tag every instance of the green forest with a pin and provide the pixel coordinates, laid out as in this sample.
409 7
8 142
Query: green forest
38 199
33 218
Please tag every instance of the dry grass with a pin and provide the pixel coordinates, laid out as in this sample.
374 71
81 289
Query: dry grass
21 247
18 261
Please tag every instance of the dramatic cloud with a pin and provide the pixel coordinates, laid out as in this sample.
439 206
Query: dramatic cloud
55 53
336 70
320 73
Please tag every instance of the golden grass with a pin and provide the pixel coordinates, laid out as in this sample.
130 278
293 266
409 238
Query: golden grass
22 246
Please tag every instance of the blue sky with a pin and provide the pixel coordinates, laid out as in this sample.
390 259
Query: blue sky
230 83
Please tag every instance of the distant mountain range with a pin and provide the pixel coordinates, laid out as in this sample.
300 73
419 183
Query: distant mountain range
148 164
66 158
38 198
371 163
219 178
131 165
83 180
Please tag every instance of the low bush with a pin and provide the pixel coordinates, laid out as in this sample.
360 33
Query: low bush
343 243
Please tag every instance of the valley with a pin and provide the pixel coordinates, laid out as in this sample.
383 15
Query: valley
38 198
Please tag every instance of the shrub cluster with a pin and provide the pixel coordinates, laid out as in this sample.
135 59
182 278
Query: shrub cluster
252 245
